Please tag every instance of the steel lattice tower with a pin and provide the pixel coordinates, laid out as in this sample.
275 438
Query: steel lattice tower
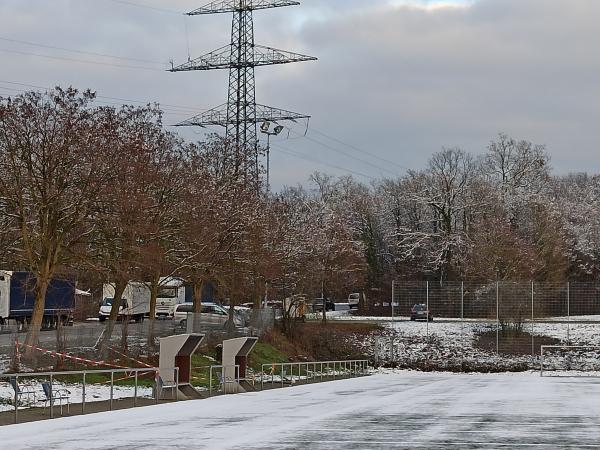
241 114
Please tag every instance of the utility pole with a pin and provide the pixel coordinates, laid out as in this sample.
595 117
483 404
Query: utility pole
241 114
265 128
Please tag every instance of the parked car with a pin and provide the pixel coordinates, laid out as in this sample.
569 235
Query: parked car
212 315
420 312
317 305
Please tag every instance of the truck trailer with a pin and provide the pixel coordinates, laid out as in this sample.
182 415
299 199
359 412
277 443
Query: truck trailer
17 298
135 302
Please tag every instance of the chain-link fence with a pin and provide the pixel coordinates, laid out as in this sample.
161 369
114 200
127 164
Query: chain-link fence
119 344
466 321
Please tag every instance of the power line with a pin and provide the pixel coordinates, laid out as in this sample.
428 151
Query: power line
80 52
363 161
144 102
180 113
152 8
63 58
166 110
318 161
387 161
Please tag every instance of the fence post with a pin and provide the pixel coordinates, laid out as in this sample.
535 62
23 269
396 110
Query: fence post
51 397
393 296
497 317
83 396
112 384
462 301
532 321
568 313
156 377
16 400
135 388
427 318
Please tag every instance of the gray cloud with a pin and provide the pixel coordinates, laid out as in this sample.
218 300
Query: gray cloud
397 81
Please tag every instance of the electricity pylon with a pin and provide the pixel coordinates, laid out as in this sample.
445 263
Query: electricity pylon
241 114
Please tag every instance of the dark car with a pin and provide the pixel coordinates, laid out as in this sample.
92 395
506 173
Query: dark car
317 305
420 312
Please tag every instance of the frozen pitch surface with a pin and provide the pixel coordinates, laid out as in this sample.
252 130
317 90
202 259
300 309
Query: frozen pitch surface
403 410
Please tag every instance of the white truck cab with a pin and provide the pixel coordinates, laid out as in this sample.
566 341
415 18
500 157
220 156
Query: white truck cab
171 293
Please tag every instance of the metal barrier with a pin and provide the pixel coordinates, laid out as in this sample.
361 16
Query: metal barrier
129 373
327 370
224 381
544 347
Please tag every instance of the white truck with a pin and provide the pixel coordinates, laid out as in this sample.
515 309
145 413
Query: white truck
354 299
172 292
135 303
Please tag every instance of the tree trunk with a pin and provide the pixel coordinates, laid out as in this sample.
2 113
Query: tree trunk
198 287
114 315
231 315
324 302
154 286
37 316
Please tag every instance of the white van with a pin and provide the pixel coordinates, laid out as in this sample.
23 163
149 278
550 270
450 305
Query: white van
354 299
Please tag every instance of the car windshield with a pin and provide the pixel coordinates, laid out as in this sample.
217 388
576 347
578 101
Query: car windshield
108 301
185 308
420 307
214 309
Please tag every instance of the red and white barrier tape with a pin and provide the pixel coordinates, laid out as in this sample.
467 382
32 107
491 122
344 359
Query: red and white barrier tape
129 357
73 358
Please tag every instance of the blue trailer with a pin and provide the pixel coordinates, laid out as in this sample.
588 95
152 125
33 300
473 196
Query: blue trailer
17 297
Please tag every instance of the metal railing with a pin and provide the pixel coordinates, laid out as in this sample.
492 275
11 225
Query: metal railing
129 373
224 381
327 371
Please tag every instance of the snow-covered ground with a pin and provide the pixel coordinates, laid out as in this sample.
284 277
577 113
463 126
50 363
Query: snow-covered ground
387 411
93 393
450 345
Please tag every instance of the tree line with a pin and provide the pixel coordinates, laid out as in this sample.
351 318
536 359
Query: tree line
107 194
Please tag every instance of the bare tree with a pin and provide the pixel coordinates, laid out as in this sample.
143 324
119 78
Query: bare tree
138 210
54 170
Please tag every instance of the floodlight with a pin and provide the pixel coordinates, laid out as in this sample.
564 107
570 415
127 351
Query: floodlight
278 129
265 126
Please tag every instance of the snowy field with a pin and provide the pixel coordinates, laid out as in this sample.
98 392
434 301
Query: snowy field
450 345
386 411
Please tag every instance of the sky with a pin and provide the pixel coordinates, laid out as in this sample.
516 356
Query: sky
396 80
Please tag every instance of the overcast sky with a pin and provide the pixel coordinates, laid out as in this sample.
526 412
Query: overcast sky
395 80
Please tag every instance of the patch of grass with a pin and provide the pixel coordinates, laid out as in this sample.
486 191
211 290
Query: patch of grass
201 370
264 353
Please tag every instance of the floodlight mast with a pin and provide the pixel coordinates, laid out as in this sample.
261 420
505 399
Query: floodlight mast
265 128
241 115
